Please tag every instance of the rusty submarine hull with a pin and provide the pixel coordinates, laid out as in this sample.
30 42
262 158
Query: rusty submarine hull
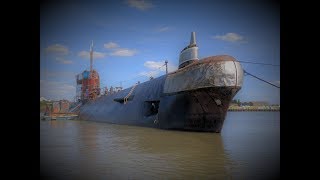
195 97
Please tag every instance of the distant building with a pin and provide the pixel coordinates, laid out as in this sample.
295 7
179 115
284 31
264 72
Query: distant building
61 106
64 106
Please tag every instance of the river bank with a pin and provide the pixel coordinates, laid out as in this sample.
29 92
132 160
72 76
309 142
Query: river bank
254 108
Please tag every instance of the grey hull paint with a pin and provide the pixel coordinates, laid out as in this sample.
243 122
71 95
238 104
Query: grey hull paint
195 108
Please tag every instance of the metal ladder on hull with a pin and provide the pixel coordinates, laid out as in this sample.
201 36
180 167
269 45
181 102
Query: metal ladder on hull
125 99
75 108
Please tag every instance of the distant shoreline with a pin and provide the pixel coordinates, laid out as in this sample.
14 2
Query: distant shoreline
246 110
254 108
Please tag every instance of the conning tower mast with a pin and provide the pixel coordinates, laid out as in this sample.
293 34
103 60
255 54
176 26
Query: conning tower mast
91 57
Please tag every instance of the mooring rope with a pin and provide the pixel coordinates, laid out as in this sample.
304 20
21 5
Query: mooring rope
258 63
260 79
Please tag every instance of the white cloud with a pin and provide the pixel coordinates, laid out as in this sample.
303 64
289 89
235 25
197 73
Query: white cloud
153 64
163 29
123 52
58 49
111 45
63 61
57 90
117 51
96 55
140 4
159 65
149 73
231 37
155 67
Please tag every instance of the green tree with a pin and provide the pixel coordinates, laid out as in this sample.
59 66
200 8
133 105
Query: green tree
238 102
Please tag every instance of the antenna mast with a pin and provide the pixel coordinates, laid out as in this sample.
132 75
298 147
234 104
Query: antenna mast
166 63
91 56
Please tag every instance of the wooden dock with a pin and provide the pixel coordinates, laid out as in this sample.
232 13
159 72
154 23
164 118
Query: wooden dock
60 116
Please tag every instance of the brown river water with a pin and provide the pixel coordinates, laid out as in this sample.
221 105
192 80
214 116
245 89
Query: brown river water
247 148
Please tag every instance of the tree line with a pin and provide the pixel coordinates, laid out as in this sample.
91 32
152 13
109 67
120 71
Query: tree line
237 101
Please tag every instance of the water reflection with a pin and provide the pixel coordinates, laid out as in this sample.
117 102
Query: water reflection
90 150
252 141
122 152
56 124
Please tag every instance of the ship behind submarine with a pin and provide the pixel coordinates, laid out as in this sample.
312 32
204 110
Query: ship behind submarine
195 97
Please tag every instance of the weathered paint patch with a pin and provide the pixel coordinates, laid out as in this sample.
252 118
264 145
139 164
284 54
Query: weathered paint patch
208 73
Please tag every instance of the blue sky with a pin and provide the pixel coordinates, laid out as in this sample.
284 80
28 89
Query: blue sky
132 38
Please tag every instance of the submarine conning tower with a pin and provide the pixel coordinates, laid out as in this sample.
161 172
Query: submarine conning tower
190 53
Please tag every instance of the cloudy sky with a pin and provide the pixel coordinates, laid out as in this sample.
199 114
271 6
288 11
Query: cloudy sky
133 38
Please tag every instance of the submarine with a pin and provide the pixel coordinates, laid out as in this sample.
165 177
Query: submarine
195 97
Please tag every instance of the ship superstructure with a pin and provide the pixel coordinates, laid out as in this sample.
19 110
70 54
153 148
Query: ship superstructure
88 82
